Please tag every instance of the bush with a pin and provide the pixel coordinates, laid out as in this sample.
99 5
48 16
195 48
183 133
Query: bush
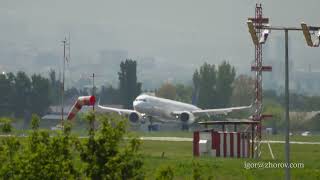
45 157
5 124
102 155
164 173
9 148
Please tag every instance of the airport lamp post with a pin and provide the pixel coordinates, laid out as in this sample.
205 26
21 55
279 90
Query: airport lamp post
306 32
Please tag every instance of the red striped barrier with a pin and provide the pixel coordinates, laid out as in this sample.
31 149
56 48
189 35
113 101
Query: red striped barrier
196 139
221 144
82 101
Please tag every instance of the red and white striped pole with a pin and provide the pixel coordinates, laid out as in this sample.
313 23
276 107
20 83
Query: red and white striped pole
82 101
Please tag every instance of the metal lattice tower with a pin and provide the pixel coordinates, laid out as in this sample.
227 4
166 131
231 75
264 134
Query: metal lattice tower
258 83
258 68
258 65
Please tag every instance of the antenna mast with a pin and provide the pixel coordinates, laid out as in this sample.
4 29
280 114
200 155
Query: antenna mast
66 44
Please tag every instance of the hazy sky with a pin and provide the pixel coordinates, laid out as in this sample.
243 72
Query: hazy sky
184 31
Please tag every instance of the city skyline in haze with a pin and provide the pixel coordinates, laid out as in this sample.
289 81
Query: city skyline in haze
180 34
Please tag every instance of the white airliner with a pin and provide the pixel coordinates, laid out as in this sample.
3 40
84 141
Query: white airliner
160 109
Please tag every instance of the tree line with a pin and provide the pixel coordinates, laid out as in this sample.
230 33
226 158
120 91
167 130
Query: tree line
21 93
212 86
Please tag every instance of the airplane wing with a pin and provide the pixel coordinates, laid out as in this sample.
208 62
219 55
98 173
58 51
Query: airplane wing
201 112
116 110
126 112
219 111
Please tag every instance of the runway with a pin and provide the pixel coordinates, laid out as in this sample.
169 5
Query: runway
182 139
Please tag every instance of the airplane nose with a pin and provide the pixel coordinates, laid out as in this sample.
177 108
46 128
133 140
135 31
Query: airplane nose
136 104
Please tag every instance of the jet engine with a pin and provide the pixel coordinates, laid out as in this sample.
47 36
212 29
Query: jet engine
134 117
187 117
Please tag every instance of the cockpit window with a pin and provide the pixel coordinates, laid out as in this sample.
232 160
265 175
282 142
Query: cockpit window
143 100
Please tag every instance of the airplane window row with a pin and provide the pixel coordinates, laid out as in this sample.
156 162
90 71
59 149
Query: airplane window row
143 100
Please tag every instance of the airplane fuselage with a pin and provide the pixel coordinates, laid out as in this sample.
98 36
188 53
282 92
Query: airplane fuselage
160 107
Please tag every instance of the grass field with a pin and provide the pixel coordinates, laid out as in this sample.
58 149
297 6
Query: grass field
178 155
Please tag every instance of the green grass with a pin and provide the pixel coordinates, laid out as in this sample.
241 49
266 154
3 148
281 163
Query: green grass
178 155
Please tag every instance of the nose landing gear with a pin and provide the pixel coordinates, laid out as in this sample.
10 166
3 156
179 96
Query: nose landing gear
151 126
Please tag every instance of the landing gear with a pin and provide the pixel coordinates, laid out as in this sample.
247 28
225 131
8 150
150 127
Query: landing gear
153 127
185 127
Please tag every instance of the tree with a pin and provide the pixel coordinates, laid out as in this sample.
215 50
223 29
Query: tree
109 95
128 86
22 93
45 157
225 77
213 87
9 149
6 91
196 87
83 92
39 94
71 94
55 88
167 90
204 82
243 91
5 125
184 93
102 154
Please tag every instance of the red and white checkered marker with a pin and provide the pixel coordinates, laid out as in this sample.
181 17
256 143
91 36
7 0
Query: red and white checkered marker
82 101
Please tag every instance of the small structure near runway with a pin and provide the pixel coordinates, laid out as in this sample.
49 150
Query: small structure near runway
219 142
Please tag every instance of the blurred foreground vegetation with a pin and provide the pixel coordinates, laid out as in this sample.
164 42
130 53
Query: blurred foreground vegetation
111 152
103 155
